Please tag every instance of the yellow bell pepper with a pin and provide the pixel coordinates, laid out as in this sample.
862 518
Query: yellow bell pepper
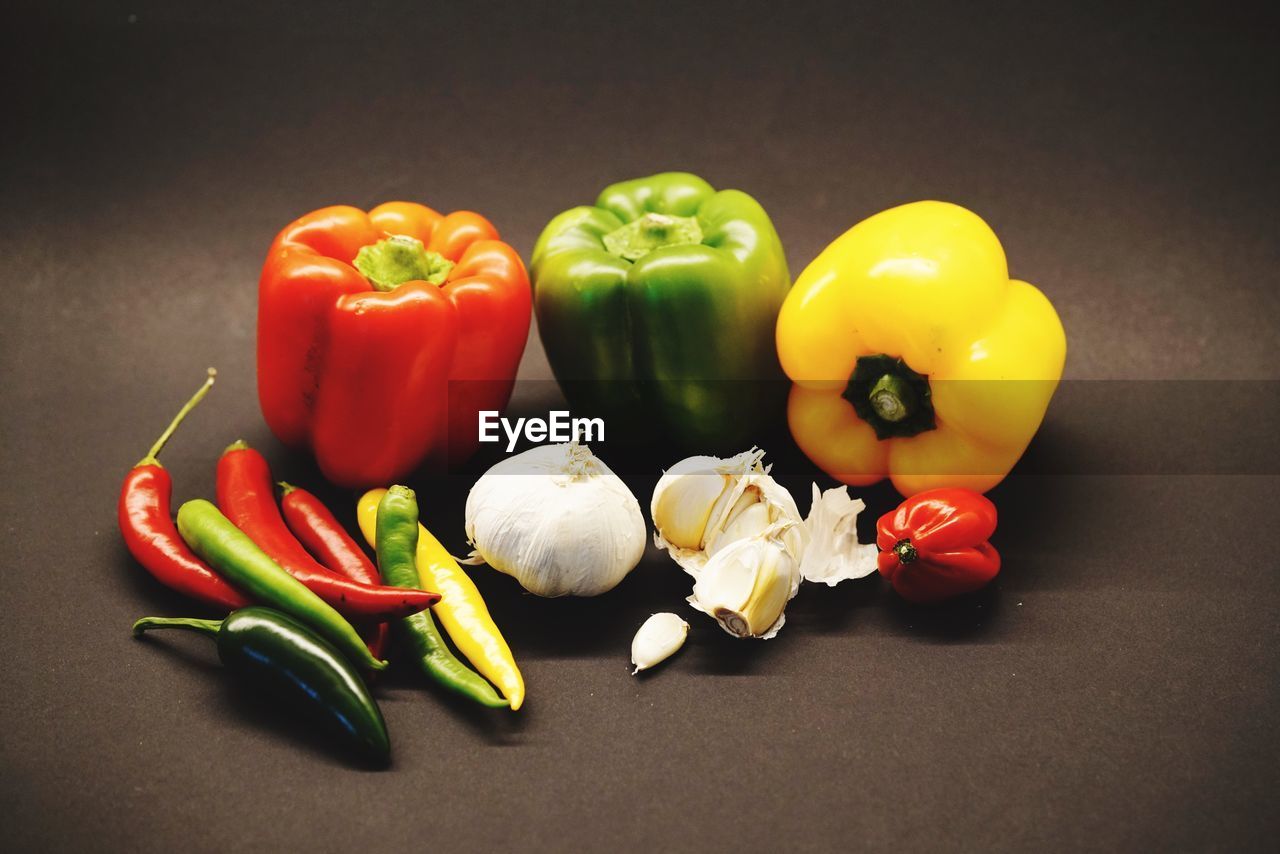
913 354
461 610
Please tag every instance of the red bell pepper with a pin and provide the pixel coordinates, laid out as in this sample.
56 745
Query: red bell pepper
382 334
934 545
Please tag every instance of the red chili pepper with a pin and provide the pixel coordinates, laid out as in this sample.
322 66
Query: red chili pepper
247 496
317 529
150 534
934 546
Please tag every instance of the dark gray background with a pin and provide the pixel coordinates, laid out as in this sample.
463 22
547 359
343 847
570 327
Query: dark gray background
1115 690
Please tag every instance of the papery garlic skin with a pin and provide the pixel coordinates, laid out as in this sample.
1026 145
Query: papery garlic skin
558 520
657 640
833 553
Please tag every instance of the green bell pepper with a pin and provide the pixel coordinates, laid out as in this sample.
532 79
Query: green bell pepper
657 306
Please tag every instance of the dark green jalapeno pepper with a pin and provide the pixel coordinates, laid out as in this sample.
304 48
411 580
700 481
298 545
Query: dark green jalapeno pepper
230 551
283 656
397 544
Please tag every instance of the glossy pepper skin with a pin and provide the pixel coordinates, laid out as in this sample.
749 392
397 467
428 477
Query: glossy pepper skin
461 610
397 525
150 535
246 495
657 305
934 545
316 528
378 371
229 550
276 652
915 356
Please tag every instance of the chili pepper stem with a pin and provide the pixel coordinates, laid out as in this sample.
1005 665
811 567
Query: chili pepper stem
151 458
204 627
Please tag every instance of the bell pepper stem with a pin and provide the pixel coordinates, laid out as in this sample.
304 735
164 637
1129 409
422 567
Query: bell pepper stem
190 624
895 400
652 231
892 398
400 258
151 458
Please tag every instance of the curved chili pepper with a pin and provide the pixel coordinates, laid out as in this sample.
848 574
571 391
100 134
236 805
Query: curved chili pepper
462 611
283 656
934 545
149 532
397 526
316 528
217 540
247 496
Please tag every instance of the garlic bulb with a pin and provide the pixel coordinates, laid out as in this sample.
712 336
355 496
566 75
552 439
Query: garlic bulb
556 519
738 532
658 639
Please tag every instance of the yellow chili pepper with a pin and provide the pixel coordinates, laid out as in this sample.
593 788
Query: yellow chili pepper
461 610
915 356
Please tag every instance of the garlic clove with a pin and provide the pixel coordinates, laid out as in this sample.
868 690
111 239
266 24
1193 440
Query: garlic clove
682 506
746 586
750 521
657 640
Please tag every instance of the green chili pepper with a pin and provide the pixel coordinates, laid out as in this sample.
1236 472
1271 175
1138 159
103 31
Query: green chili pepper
397 543
212 536
283 656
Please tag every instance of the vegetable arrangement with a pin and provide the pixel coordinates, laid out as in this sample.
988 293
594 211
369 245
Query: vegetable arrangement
288 628
383 336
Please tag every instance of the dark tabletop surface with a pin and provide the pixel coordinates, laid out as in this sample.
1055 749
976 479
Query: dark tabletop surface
1115 690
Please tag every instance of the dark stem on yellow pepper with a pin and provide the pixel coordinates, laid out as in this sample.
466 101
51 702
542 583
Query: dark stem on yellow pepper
390 263
895 400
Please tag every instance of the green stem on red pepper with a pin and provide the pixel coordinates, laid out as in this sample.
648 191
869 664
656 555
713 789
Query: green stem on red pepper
390 263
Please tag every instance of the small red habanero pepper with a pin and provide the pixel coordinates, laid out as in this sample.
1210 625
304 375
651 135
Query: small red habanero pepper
151 536
381 336
934 546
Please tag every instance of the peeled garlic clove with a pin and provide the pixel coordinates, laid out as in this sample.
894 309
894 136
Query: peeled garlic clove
658 639
749 518
682 506
746 586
